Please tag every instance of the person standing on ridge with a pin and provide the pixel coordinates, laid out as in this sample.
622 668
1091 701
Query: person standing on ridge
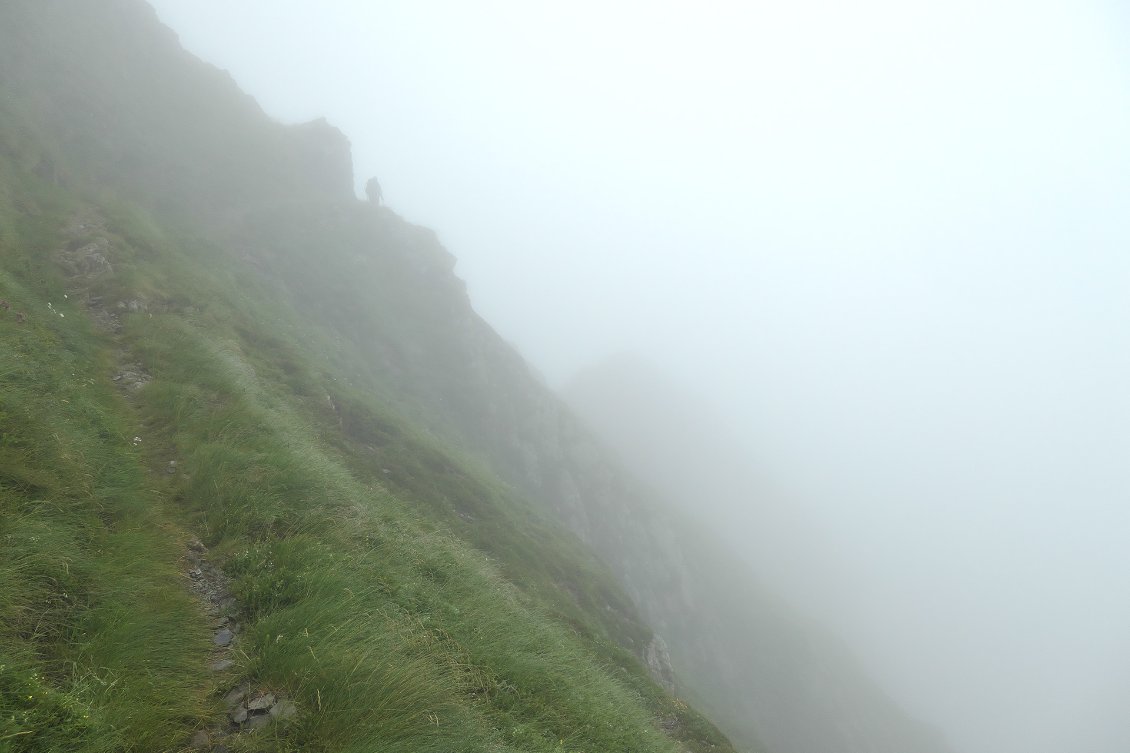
373 191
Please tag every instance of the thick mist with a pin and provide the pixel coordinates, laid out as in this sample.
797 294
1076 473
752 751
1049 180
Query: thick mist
877 251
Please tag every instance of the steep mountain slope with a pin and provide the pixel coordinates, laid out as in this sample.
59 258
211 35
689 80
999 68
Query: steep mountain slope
221 367
210 503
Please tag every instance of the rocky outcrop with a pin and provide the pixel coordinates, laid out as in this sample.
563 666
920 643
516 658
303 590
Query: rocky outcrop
324 159
657 657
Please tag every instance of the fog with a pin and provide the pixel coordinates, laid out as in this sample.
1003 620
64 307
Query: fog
884 244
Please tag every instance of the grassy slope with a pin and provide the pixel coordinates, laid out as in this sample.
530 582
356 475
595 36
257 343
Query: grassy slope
100 644
401 596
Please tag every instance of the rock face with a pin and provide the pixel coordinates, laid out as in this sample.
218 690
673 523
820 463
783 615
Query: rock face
87 260
657 657
324 158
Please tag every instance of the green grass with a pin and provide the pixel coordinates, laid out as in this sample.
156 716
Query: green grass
423 609
354 593
101 646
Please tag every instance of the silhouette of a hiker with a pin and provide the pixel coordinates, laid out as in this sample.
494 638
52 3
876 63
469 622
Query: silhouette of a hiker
373 191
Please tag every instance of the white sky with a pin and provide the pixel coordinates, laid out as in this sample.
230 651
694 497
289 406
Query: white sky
888 240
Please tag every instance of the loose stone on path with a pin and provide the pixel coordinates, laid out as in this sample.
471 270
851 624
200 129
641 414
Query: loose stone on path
236 695
262 702
284 710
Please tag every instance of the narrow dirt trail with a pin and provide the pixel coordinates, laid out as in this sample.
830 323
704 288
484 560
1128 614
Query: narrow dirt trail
85 258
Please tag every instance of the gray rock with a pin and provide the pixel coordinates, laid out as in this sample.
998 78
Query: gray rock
236 695
201 740
658 661
88 261
258 722
239 715
223 637
261 703
284 710
221 665
323 158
